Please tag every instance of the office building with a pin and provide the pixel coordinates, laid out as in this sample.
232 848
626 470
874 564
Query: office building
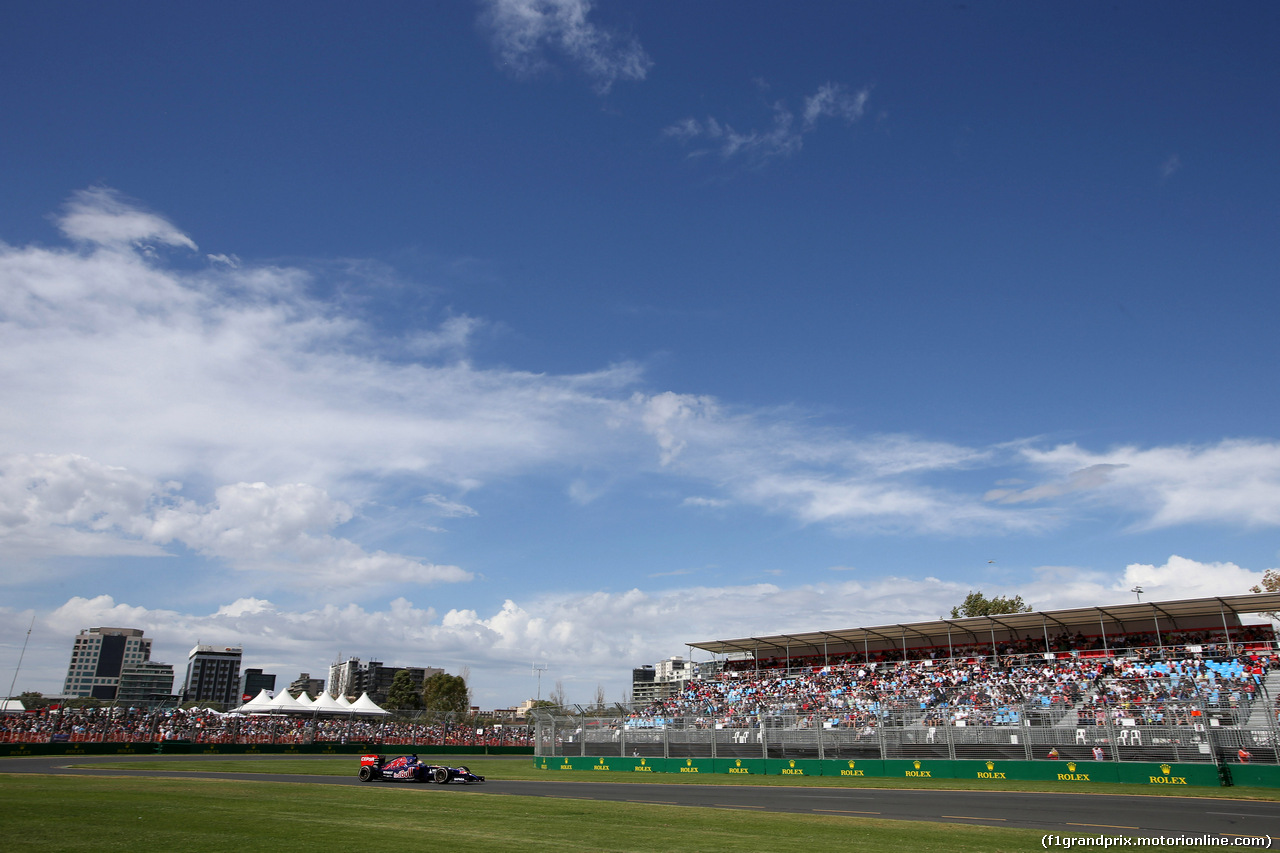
99 657
146 683
254 681
352 677
213 675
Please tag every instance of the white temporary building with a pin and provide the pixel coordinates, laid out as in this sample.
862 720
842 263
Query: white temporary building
368 708
284 703
326 704
260 704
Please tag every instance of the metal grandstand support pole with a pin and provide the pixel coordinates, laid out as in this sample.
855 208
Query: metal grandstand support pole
884 749
666 743
1103 626
1225 629
951 655
764 740
1044 626
1156 619
949 734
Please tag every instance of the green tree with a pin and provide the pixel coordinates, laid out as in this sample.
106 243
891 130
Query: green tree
443 693
31 699
403 694
1270 583
977 604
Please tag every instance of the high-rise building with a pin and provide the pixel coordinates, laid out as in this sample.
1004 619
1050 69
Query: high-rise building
254 681
99 657
667 679
213 674
351 678
304 683
146 683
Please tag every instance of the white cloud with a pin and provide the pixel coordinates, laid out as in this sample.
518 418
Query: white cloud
99 215
782 138
833 101
70 505
1233 482
447 508
1181 577
524 32
588 638
123 377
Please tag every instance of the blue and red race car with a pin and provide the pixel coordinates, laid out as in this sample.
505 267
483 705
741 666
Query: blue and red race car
407 768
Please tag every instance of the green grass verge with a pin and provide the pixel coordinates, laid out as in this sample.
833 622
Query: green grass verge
523 769
71 813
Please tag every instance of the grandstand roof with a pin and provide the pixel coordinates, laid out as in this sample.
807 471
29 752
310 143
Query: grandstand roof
1109 619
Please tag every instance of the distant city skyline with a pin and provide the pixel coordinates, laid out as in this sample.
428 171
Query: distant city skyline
560 334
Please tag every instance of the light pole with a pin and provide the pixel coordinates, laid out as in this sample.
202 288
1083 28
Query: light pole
1137 590
538 669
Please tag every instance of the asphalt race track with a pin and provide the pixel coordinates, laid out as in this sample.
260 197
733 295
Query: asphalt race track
1061 814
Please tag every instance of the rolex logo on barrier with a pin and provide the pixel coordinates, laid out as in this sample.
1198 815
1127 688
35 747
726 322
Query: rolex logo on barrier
738 763
642 767
790 769
1071 775
923 774
1166 779
792 763
600 765
688 766
990 773
916 764
851 771
738 768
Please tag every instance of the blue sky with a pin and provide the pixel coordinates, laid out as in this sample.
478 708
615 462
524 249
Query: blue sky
513 331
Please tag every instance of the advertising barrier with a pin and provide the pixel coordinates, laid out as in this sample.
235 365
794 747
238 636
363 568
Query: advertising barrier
1163 776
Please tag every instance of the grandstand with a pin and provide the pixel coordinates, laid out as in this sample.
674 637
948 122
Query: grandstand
1175 681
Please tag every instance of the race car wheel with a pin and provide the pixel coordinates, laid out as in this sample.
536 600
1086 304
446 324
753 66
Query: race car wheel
366 773
441 775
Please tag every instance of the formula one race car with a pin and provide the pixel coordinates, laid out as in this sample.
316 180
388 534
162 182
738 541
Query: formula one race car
407 768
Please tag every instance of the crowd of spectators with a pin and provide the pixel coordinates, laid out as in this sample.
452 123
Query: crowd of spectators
139 725
1133 679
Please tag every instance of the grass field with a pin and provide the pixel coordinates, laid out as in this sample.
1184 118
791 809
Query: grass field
57 813
73 813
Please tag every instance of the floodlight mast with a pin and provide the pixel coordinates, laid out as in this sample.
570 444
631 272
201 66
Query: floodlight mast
538 669
23 654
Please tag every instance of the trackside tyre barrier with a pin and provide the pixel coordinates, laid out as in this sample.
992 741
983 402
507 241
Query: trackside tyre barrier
1073 774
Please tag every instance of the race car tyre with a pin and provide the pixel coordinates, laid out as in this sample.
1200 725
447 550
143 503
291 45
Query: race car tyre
441 775
366 773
